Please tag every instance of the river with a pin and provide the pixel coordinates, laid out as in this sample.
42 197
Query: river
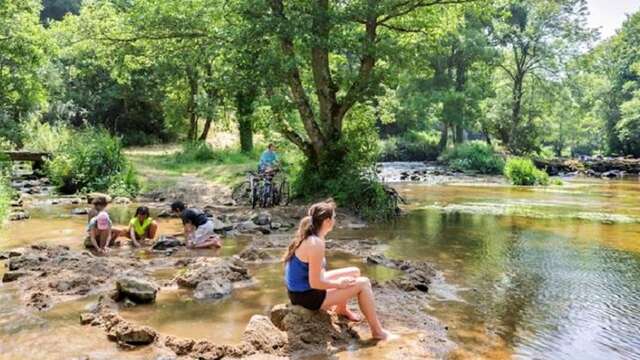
525 273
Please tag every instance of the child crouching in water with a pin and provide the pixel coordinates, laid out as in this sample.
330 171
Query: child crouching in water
142 227
198 228
100 228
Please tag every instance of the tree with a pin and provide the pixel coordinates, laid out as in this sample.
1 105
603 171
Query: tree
339 53
537 37
621 62
23 54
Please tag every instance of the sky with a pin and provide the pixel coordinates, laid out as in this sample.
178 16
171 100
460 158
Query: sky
608 15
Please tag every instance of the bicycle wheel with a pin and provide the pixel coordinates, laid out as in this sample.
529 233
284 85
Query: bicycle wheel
285 193
242 192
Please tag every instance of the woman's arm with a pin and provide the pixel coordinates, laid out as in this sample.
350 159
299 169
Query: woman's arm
317 279
132 233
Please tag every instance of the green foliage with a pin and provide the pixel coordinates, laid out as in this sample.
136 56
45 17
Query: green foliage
45 137
5 198
23 54
411 146
628 128
198 151
475 156
92 160
522 171
351 182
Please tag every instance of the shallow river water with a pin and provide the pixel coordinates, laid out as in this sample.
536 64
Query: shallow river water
549 273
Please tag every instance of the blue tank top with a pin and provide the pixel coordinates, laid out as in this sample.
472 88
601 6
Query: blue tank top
296 274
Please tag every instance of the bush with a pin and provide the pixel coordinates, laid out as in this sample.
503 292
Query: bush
5 198
42 136
346 173
522 171
412 146
92 160
198 151
475 156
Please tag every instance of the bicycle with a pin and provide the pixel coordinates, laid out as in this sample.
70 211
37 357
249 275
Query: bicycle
262 190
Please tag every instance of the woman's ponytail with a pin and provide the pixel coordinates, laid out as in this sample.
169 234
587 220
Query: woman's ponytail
310 225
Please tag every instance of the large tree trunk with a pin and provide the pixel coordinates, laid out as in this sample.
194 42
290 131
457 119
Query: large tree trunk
244 112
444 136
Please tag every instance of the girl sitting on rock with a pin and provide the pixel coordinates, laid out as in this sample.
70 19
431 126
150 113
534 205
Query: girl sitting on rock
142 227
309 283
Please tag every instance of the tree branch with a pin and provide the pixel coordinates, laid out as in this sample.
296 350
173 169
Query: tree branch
325 87
406 7
295 82
367 62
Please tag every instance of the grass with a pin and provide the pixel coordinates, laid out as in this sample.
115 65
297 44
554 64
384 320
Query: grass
161 168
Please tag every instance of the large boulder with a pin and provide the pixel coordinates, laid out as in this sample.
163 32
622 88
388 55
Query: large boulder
140 291
212 289
264 336
312 332
221 226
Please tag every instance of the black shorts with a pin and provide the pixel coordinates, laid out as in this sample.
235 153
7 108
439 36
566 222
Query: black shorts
310 299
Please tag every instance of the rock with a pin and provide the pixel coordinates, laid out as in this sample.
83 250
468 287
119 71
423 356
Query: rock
19 215
264 336
612 174
126 333
212 289
275 226
204 269
220 226
16 203
121 200
180 346
166 242
87 318
165 214
246 226
29 261
253 254
312 332
9 254
262 218
10 276
94 195
417 275
79 211
139 291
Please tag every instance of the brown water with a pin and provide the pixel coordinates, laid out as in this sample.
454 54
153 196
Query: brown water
548 273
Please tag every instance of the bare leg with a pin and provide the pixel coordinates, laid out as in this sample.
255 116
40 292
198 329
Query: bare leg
212 241
152 230
343 309
362 289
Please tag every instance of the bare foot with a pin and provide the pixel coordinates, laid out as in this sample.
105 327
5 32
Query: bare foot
350 315
384 336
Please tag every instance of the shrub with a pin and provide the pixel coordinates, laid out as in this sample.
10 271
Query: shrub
92 160
346 173
522 171
475 156
198 151
412 146
42 136
5 198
